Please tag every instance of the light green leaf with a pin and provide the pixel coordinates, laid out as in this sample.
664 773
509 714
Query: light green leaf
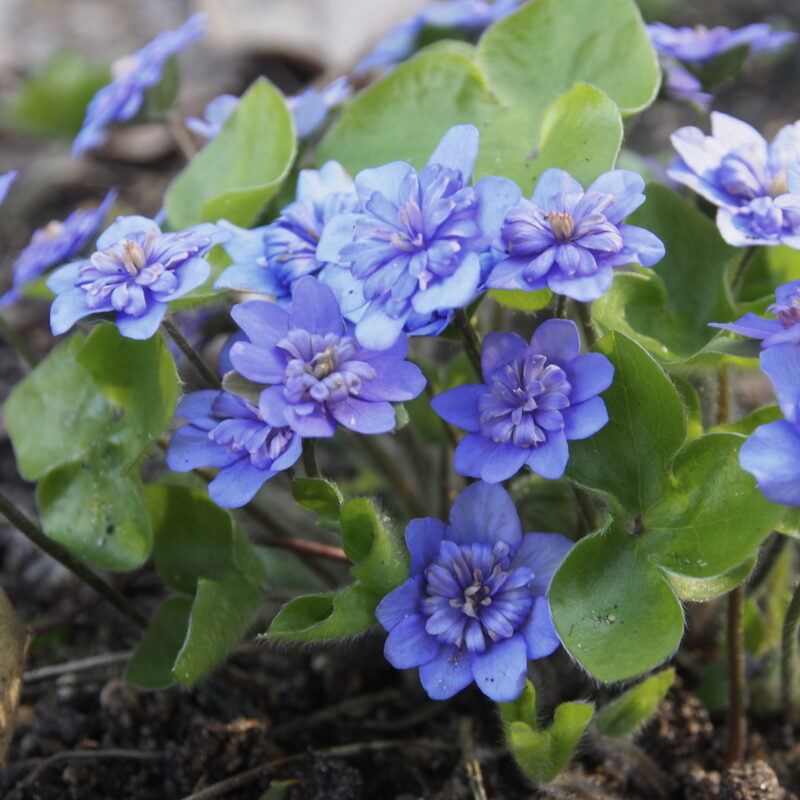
524 301
626 714
234 176
320 496
699 590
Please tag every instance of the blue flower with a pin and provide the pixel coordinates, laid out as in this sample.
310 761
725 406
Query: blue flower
681 85
414 249
5 183
215 115
321 376
135 272
270 259
226 431
533 399
54 244
311 107
569 239
469 16
772 453
700 45
133 75
736 170
784 328
475 604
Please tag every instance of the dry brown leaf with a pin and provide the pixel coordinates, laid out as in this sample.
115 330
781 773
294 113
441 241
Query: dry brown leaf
14 640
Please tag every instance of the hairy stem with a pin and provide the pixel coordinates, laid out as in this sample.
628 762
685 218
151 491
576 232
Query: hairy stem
791 623
585 317
203 370
29 528
471 342
310 459
768 555
734 750
561 306
741 270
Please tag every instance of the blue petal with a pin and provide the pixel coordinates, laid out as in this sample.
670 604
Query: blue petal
500 672
500 349
191 448
542 553
772 455
338 232
396 381
348 290
538 631
584 419
235 486
363 416
192 274
423 537
496 197
244 246
408 645
588 375
751 325
550 459
502 461
470 454
314 307
63 279
459 406
457 150
317 184
385 180
585 289
554 182
310 426
272 406
68 308
640 246
507 274
782 365
400 603
626 187
258 364
485 513
453 292
196 408
376 330
250 278
447 674
142 327
558 340
124 226
264 322
290 454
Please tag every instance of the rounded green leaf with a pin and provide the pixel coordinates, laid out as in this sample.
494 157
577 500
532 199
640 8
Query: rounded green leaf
320 496
625 714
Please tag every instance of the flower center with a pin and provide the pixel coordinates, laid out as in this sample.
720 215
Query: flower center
780 184
788 314
133 257
742 174
53 229
562 224
123 66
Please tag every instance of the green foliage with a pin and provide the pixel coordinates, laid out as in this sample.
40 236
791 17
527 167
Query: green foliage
234 176
53 101
626 714
542 754
523 301
320 496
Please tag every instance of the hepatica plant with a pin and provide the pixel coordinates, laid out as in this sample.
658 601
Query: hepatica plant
429 289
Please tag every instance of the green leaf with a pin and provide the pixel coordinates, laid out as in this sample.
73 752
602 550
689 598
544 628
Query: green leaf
771 267
691 400
626 714
667 310
379 554
235 383
53 101
234 176
151 663
330 615
196 539
221 614
94 509
403 116
613 610
747 424
542 755
546 505
320 496
700 589
723 68
628 459
523 301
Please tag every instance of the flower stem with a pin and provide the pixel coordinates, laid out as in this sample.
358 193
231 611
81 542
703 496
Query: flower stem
741 270
585 317
29 528
561 306
791 623
203 370
310 459
27 353
181 137
734 751
471 342
768 555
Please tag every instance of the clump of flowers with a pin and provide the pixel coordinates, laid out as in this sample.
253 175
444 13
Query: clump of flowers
320 374
474 607
270 259
569 239
534 398
54 244
749 180
133 76
134 273
226 431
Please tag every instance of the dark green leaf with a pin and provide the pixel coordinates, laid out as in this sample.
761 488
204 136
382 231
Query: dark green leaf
320 496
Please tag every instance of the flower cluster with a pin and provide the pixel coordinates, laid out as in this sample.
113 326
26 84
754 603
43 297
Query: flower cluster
533 399
135 272
133 76
226 431
474 607
751 182
318 374
270 259
55 243
569 239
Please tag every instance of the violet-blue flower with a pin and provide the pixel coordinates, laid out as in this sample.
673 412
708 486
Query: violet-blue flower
132 76
215 115
681 85
569 239
414 248
474 607
746 178
772 453
135 272
226 431
5 183
700 44
54 244
310 108
534 398
270 259
321 375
